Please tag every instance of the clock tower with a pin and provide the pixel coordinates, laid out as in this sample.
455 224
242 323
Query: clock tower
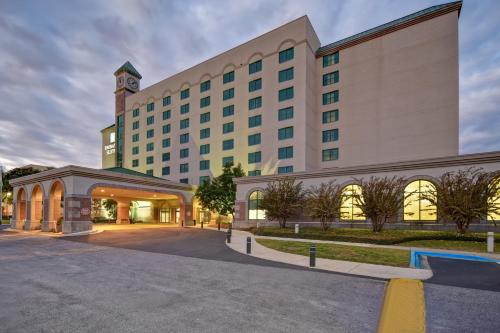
127 83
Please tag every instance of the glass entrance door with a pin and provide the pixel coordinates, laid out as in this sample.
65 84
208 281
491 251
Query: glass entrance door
164 215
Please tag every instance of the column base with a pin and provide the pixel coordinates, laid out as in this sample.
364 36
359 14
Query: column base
70 227
32 225
49 226
19 225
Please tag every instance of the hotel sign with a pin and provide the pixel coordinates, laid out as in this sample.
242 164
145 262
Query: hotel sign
109 149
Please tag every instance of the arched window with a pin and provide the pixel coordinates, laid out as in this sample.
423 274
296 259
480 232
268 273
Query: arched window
416 207
349 211
254 213
495 201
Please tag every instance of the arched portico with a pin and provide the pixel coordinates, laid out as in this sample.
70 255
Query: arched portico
20 209
36 208
54 218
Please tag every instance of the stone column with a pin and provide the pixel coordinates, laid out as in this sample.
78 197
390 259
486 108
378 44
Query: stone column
186 214
27 209
13 221
77 214
123 212
47 225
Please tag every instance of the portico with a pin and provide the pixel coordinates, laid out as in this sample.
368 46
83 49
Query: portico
61 199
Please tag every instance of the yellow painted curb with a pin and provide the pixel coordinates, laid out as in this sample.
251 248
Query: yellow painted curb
404 307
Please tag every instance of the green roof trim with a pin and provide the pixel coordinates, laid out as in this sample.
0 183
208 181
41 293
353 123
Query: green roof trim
112 125
128 68
130 172
388 25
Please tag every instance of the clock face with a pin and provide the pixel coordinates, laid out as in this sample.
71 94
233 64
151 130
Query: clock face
132 83
120 81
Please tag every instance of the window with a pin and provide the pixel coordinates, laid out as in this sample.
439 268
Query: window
254 85
135 163
254 157
228 77
166 114
330 116
184 180
184 138
228 94
285 94
228 144
184 152
150 160
228 111
165 157
135 113
254 103
349 211
135 125
204 179
184 108
135 137
165 171
150 120
166 128
184 123
285 75
285 113
227 160
330 97
205 149
150 107
285 133
185 93
150 146
254 211
204 165
285 152
416 208
184 167
165 143
330 78
330 154
286 55
331 135
204 86
255 67
331 59
254 139
254 173
150 133
167 100
228 127
285 169
254 121
149 172
204 102
135 150
204 133
204 117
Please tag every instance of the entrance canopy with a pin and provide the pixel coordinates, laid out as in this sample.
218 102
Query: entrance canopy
64 198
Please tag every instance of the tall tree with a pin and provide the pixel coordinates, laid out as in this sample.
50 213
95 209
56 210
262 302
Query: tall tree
15 173
219 194
380 199
465 196
323 202
282 200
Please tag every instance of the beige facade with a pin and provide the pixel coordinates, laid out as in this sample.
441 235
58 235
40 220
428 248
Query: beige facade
394 95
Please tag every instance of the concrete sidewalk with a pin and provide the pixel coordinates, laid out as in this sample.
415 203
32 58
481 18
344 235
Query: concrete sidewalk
239 239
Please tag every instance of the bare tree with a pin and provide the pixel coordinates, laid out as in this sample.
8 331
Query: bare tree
465 196
282 200
323 202
380 199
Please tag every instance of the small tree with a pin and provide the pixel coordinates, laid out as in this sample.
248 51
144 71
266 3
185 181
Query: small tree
380 199
282 200
465 196
219 194
323 202
110 206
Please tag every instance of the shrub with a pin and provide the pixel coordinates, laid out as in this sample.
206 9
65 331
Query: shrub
282 200
323 202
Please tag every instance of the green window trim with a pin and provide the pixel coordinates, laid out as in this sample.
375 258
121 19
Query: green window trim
166 129
184 138
185 108
150 120
204 117
285 169
254 139
331 59
255 85
204 180
184 123
185 93
204 133
254 121
135 113
330 116
165 171
285 113
135 150
331 78
150 107
165 143
150 146
167 100
135 125
285 75
227 160
150 160
255 103
184 153
330 97
254 157
285 133
204 102
330 154
228 127
184 180
205 86
228 110
167 114
286 55
228 77
285 94
330 135
253 173
205 165
165 157
184 167
255 67
285 152
135 163
135 137
228 94
205 149
228 144
150 133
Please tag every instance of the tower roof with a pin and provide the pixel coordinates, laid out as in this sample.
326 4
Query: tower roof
128 68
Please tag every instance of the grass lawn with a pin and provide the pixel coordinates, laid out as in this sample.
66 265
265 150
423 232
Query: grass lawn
474 242
399 258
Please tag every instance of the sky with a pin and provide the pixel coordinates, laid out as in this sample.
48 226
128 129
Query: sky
57 60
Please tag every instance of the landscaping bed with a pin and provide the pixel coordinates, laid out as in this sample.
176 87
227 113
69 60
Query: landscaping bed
379 256
474 242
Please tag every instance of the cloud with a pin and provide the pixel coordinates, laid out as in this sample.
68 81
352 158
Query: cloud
57 61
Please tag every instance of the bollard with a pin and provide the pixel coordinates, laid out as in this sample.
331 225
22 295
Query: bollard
312 256
218 225
249 245
228 236
297 228
491 242
202 224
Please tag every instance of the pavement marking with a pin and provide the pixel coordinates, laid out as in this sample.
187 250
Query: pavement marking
404 307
